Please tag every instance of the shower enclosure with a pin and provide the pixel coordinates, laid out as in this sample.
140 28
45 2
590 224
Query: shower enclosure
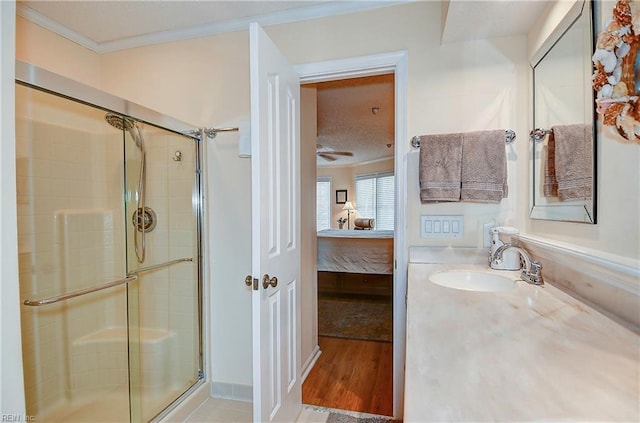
109 227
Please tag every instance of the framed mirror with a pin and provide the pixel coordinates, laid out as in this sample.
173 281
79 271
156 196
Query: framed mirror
563 139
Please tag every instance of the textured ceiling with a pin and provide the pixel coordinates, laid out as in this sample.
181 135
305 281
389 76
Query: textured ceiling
347 123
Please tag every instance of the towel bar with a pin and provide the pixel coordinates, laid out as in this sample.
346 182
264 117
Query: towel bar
510 136
538 134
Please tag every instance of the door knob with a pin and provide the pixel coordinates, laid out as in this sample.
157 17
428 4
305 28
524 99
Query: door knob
266 281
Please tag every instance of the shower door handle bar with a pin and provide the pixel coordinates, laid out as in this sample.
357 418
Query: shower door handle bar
80 292
160 266
130 278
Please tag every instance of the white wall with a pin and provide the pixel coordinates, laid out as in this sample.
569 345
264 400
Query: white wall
457 87
11 384
341 179
549 26
50 51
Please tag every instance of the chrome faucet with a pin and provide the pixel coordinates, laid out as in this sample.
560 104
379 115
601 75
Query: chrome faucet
532 269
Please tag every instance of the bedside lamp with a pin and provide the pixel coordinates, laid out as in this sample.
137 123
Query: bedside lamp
349 208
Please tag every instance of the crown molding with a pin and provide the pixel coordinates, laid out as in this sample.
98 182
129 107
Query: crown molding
53 26
276 18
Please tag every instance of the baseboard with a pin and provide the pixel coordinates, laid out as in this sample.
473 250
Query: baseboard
311 361
608 283
232 391
244 393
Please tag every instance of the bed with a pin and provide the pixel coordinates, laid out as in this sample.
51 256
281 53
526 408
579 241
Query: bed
355 251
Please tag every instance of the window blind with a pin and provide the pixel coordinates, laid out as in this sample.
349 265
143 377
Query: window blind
375 197
323 203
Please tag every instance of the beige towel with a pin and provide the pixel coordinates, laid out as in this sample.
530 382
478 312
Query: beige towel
574 161
550 187
439 170
484 167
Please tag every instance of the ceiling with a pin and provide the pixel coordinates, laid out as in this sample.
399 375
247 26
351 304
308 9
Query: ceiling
110 25
345 119
356 115
472 19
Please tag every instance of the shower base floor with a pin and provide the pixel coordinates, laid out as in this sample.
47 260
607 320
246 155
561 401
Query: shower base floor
108 408
112 407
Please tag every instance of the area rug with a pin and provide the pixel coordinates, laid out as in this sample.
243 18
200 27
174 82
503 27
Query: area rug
335 417
370 320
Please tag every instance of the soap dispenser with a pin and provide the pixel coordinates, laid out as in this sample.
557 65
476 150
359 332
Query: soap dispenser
510 258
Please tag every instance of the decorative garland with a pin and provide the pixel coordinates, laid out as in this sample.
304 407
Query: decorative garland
617 68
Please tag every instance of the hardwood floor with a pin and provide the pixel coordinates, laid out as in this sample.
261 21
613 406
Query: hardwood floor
352 375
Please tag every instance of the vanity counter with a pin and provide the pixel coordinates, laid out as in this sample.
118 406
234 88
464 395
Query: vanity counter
532 353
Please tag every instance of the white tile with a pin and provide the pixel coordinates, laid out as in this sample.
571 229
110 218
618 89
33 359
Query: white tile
309 415
224 410
220 410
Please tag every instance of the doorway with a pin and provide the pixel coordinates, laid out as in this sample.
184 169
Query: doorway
355 222
395 63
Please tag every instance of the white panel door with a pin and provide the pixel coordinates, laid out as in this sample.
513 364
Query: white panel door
275 178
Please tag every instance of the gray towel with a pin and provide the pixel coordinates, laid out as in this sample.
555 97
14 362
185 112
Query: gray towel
574 161
439 170
550 188
484 167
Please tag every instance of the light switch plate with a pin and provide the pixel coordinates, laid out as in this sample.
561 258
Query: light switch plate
441 226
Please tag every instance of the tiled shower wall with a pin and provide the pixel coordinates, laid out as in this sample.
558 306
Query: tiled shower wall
70 237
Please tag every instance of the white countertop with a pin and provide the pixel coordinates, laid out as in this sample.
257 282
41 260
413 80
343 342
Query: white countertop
530 354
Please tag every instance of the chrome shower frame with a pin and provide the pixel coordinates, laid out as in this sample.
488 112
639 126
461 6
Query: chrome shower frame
32 76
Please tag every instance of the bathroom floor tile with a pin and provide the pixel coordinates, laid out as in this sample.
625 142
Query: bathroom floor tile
217 410
311 415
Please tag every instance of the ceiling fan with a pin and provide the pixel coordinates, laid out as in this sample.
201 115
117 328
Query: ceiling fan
330 154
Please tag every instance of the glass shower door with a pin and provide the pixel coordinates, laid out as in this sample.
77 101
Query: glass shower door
111 321
71 238
162 249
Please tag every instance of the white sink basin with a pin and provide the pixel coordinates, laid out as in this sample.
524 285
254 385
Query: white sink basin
470 280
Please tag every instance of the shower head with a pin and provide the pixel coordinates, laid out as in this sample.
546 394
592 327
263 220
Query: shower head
124 123
119 122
